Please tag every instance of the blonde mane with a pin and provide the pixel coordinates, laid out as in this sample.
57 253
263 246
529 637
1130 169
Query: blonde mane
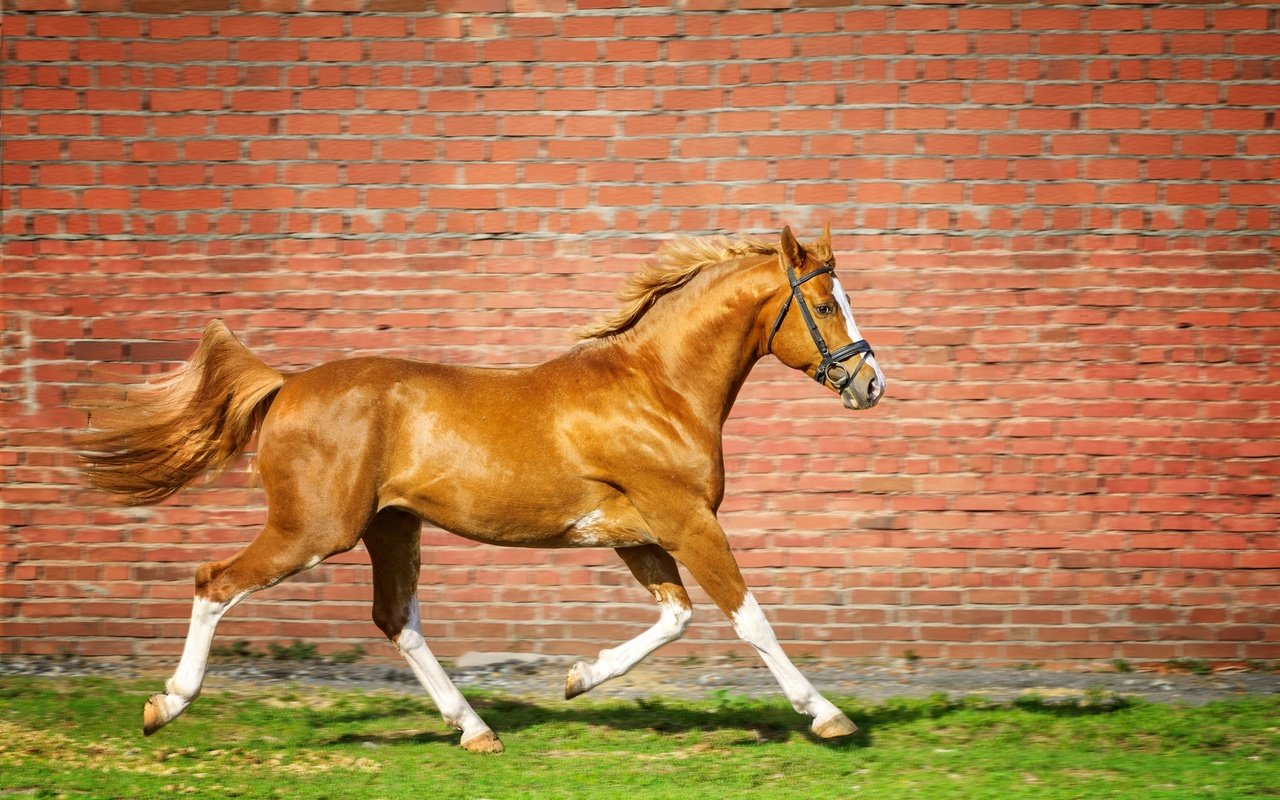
678 261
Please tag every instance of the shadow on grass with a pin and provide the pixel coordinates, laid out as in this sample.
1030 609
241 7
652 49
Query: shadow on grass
396 738
758 720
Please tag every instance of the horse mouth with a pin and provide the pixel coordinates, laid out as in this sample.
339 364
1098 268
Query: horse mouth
856 401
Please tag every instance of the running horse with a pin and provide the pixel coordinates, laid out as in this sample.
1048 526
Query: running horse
616 443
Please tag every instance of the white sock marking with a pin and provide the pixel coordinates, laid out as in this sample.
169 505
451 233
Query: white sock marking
754 629
672 622
189 676
453 706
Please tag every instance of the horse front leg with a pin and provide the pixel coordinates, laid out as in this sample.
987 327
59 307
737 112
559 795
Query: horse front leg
657 571
704 550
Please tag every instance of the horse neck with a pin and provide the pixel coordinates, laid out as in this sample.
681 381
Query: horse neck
702 340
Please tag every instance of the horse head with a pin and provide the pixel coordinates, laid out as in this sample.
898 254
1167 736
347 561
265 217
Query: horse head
822 340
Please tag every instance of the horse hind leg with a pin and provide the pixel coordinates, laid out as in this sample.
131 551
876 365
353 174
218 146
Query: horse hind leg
657 572
184 687
392 541
273 556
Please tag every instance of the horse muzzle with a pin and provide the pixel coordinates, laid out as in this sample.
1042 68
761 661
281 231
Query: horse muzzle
863 391
855 401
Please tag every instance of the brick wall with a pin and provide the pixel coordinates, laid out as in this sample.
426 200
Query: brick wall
1059 224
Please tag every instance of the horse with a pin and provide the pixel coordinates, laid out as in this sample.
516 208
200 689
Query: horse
615 443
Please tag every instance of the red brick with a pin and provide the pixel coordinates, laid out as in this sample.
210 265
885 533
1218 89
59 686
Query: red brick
411 51
49 99
1253 194
208 100
334 51
463 198
1069 44
275 198
262 100
1110 242
1134 44
940 44
40 50
393 99
392 198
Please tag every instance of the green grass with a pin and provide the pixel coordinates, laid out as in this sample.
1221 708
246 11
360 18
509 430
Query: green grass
80 738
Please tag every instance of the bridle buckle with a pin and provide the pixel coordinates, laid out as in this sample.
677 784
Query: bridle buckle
838 376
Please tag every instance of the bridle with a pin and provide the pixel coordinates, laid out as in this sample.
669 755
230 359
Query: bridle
832 369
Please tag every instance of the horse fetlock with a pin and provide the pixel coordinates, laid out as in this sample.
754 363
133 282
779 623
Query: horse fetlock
454 720
175 688
815 705
460 716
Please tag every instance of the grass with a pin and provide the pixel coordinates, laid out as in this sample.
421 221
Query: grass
1196 666
79 738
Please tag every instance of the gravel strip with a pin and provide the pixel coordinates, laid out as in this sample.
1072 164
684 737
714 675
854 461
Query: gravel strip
542 678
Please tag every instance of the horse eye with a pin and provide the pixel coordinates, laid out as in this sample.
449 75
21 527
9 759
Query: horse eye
824 310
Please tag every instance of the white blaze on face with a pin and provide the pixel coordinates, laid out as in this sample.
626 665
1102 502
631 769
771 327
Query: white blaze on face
842 300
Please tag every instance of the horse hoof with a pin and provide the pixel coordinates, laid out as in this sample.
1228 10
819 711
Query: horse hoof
834 726
484 742
154 715
577 681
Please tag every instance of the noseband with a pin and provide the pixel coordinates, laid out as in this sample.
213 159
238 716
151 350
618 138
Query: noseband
832 369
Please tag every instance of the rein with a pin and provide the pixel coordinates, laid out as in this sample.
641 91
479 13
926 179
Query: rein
832 369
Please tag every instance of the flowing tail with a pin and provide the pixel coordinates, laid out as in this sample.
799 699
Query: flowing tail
163 435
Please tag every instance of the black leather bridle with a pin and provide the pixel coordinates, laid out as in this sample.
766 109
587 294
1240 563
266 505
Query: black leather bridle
832 369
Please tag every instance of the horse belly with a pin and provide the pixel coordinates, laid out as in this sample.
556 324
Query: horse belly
518 514
491 469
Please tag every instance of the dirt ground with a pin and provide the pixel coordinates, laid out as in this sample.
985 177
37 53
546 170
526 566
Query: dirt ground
542 678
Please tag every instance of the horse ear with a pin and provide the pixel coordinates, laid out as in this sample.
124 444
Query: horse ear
791 250
825 241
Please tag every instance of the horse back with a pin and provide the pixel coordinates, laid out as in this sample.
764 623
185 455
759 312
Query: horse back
496 455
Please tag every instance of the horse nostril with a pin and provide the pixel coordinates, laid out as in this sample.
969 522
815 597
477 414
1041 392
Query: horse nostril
871 388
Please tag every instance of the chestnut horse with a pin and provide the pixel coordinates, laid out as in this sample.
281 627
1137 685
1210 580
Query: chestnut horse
616 443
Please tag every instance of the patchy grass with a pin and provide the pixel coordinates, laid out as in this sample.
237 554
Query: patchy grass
80 738
1195 666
